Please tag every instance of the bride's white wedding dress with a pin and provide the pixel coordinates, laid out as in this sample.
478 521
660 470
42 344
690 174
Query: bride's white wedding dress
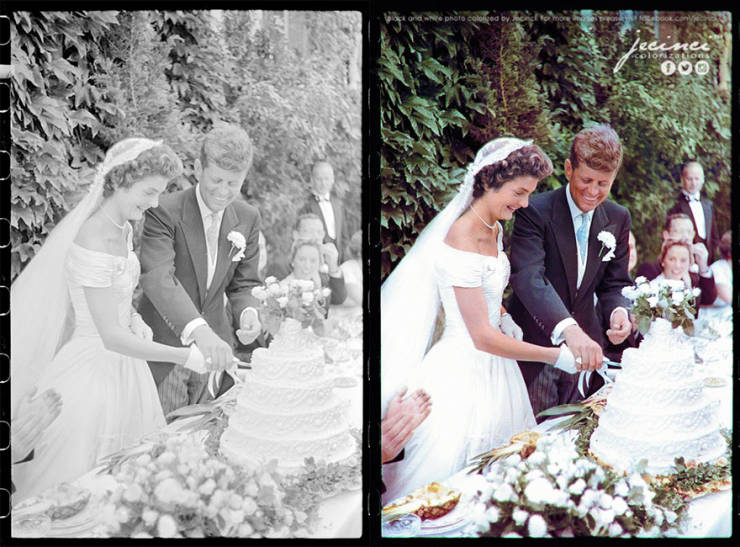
479 400
109 400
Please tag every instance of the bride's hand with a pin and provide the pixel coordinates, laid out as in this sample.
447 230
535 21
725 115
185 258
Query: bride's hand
566 361
510 328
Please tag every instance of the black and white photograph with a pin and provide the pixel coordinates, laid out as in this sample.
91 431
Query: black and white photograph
556 268
186 274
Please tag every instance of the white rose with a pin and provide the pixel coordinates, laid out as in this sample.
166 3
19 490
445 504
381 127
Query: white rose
166 458
619 506
621 489
245 530
652 301
325 292
166 527
640 280
577 487
122 514
677 298
539 491
589 498
207 487
324 268
696 291
615 529
306 284
481 524
270 280
605 501
519 516
493 514
168 490
141 535
511 535
307 297
504 493
606 517
133 493
282 301
536 458
537 527
274 290
149 517
249 506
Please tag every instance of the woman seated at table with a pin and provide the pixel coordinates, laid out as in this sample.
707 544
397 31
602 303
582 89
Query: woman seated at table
722 271
352 271
306 264
676 257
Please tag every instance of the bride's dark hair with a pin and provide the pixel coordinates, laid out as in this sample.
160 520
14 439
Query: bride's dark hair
528 160
159 160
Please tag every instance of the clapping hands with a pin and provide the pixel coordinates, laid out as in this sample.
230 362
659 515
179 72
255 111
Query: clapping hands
404 415
33 416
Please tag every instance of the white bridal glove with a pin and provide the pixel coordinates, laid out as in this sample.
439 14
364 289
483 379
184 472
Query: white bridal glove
196 361
566 361
510 328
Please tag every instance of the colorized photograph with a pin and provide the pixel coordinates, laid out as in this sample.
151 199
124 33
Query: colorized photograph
556 298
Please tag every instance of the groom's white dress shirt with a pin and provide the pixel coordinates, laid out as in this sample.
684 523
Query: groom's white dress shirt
328 212
698 212
207 217
575 213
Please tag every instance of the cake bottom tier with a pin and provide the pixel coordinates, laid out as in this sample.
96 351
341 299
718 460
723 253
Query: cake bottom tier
623 452
290 453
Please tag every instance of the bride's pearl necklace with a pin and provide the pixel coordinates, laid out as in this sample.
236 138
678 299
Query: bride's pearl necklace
119 226
481 218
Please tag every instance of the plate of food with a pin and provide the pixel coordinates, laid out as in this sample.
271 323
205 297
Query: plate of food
428 502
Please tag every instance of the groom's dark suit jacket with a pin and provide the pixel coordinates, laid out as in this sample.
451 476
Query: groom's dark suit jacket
544 271
174 267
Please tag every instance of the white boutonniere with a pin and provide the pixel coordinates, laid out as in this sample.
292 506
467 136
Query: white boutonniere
238 244
607 241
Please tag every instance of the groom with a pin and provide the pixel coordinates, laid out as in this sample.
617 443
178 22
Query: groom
197 246
568 248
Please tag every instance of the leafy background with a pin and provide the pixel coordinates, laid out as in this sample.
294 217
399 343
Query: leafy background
452 81
84 80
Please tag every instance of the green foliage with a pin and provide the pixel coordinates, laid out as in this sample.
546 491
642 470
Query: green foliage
60 107
84 80
546 78
430 88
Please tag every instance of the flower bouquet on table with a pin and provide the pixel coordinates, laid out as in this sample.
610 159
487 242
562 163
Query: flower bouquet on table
179 490
298 299
552 491
667 299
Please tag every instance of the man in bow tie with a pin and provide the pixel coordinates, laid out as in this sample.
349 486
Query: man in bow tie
568 246
327 207
701 211
199 248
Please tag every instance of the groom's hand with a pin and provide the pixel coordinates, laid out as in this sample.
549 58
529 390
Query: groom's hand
250 327
587 353
216 352
619 327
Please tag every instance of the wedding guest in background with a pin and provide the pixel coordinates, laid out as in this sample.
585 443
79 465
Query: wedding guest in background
308 260
675 258
632 261
399 422
677 226
722 271
700 211
325 206
352 270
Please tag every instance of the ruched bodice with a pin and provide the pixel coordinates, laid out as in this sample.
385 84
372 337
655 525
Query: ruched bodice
87 268
456 268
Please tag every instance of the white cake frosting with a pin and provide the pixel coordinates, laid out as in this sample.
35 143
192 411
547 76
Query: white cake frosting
657 409
286 409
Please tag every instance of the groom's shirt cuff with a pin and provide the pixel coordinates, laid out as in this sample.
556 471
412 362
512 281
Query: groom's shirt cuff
187 333
619 308
557 333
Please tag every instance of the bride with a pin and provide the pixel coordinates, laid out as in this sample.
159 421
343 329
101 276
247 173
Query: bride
74 328
479 399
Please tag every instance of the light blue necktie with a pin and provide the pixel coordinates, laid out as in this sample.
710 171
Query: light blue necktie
582 236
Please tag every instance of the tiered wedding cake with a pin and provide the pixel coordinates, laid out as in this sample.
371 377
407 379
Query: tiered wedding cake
286 408
657 408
